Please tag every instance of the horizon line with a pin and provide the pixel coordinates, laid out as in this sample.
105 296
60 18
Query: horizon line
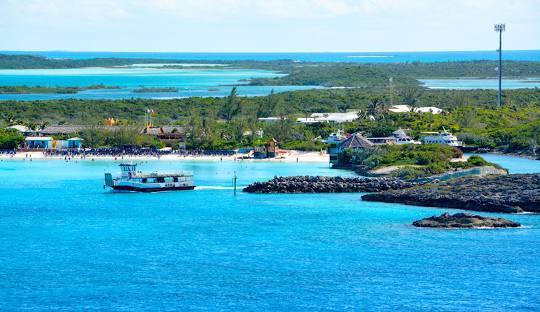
266 52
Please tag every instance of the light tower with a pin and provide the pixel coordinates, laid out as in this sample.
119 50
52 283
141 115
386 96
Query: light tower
500 28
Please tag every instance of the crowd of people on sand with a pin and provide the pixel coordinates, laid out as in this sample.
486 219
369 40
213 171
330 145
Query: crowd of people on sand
120 153
8 151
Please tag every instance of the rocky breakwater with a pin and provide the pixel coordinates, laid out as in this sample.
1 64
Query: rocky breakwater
318 184
498 193
464 221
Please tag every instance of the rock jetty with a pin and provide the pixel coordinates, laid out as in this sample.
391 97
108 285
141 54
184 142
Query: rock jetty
499 193
318 184
464 221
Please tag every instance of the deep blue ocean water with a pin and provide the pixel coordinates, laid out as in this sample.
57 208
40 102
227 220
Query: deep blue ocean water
66 244
363 57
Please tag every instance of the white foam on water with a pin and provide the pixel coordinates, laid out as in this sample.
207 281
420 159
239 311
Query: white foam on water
217 187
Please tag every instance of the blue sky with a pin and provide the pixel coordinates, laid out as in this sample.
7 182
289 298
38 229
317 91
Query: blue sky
266 25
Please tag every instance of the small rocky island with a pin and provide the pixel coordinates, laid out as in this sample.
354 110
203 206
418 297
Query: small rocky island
464 221
495 193
318 184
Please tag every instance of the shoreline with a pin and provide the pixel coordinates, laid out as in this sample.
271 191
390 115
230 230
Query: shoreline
289 156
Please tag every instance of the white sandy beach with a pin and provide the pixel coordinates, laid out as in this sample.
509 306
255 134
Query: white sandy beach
288 156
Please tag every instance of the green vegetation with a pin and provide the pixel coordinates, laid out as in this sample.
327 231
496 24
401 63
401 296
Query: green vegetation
357 75
222 122
153 90
119 137
230 122
37 62
44 89
10 139
415 161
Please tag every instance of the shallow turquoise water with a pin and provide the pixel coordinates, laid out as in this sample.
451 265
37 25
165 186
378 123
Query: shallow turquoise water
189 82
468 84
65 244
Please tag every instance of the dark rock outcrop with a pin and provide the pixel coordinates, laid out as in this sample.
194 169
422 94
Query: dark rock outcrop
317 184
465 221
504 193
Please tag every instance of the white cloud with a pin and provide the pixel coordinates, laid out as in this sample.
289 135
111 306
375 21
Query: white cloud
266 25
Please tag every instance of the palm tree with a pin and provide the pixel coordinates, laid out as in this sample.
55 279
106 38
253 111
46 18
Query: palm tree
411 96
374 106
43 125
10 119
232 106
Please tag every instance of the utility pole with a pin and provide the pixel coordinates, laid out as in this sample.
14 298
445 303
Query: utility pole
391 86
234 183
500 28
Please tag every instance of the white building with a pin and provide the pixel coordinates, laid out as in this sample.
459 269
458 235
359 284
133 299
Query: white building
39 142
329 117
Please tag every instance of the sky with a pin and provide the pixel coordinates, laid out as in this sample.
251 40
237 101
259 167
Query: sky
267 25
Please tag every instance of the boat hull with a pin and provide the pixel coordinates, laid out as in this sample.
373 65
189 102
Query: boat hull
152 189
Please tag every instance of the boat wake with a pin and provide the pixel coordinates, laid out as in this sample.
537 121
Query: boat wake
217 187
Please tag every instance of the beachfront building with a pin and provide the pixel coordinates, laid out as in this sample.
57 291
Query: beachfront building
72 143
354 142
268 150
169 135
60 130
329 117
37 142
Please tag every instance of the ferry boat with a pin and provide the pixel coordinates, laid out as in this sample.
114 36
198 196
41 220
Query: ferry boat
443 137
137 181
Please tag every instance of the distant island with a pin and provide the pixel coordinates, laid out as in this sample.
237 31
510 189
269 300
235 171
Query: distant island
155 90
328 74
46 89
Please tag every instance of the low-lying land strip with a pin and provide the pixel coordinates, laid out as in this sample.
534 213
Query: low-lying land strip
498 193
152 90
45 89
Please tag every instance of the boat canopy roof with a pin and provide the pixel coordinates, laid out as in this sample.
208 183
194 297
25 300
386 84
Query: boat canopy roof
162 175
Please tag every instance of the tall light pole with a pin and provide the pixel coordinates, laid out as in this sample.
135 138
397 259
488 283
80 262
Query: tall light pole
500 28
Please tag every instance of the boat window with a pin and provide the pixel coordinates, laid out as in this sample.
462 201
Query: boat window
175 179
160 180
144 180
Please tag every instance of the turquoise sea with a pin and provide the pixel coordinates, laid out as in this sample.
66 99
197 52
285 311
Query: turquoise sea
360 57
217 82
189 82
66 244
